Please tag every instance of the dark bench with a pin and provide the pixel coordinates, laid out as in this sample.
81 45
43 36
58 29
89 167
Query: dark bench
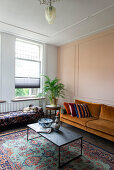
20 117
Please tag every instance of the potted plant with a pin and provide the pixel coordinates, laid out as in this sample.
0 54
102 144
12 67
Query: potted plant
53 89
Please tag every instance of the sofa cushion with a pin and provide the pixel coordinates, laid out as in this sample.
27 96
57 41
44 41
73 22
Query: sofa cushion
81 110
81 121
102 125
107 113
93 108
66 105
72 109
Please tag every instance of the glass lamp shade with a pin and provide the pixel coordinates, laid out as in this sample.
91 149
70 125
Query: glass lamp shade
50 14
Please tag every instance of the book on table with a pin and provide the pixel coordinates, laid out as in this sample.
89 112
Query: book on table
40 129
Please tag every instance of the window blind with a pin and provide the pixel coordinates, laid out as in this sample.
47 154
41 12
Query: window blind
27 65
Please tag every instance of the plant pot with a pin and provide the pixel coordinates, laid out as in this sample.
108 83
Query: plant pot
53 102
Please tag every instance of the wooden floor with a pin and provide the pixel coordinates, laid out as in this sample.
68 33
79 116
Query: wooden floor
93 139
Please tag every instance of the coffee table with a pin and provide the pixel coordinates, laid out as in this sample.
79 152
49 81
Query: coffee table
59 138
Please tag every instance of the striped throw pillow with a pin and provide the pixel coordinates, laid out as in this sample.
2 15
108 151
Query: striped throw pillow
81 110
72 109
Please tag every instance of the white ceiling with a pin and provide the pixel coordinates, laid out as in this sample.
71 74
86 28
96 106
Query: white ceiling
74 19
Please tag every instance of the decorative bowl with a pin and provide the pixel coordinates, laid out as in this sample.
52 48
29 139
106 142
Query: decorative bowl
45 122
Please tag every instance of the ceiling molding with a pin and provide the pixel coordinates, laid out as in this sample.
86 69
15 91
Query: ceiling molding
12 25
85 35
28 21
84 19
36 40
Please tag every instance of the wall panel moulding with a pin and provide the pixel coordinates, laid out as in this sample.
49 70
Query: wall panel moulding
86 67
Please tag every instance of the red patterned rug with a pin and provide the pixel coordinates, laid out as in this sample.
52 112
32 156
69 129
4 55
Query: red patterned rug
16 153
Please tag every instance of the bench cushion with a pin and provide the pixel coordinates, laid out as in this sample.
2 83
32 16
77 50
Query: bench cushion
18 117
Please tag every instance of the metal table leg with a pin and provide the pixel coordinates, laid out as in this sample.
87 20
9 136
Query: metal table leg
27 133
31 138
59 157
71 159
55 112
81 146
46 113
50 114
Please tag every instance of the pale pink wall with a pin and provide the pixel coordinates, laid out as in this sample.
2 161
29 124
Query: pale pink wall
66 69
86 67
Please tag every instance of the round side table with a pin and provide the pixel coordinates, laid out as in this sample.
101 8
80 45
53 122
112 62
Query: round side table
50 108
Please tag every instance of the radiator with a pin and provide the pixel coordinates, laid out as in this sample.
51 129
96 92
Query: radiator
16 106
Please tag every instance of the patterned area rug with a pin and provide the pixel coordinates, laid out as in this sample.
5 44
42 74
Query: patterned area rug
16 153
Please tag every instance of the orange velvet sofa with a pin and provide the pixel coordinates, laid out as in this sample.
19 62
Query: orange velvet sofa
100 123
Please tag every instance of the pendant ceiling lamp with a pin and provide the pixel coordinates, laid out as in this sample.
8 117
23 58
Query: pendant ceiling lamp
50 14
50 11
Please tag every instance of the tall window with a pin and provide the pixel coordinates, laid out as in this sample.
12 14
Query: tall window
27 68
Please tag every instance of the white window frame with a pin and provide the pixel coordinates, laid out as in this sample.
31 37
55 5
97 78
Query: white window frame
41 51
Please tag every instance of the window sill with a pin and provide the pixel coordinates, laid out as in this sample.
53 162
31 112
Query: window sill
2 101
27 99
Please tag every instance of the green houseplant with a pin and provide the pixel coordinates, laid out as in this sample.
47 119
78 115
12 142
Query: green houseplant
53 89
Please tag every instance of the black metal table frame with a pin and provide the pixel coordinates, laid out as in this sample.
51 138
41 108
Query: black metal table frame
58 147
52 109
